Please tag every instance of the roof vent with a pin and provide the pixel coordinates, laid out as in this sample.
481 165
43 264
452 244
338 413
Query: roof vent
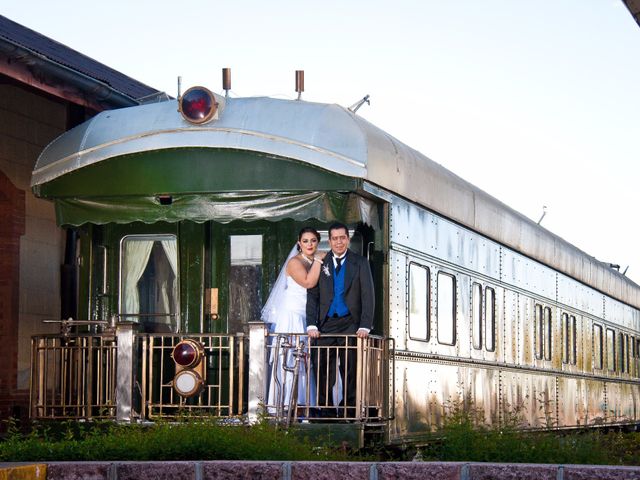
226 81
299 82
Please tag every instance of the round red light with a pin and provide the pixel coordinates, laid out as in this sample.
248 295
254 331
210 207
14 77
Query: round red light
197 105
185 353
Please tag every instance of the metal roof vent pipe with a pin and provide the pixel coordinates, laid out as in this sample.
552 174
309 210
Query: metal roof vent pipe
299 82
226 81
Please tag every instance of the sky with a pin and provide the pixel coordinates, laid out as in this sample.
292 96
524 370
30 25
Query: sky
534 101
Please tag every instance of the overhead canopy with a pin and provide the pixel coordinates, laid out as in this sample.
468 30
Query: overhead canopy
220 207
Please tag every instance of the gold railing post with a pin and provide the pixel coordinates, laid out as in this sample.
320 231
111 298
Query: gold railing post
232 372
360 374
144 392
257 369
240 340
88 376
124 382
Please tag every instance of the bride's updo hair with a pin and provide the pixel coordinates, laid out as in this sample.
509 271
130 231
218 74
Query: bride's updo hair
307 230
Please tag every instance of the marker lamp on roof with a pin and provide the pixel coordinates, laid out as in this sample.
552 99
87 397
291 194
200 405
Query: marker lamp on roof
197 105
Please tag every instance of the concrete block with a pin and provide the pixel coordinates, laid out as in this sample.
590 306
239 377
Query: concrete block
588 472
330 470
490 471
419 471
42 230
78 470
38 207
156 471
244 470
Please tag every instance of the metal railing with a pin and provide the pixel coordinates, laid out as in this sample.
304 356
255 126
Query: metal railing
223 394
300 383
126 376
73 376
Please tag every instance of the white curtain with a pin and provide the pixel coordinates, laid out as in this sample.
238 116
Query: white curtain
136 257
170 248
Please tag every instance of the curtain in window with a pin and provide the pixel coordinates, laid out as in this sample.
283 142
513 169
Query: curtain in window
168 285
136 256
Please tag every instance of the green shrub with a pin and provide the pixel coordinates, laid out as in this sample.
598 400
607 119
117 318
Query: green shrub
187 440
464 436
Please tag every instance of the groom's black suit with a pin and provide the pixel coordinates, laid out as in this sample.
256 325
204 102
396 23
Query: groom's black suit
359 299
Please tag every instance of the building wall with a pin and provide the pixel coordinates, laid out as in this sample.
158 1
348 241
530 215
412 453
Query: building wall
32 246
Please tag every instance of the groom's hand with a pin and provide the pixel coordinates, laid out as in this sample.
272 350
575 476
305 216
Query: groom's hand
362 333
313 333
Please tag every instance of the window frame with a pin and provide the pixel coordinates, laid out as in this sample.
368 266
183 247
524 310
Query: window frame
548 322
611 350
155 237
490 322
538 331
477 322
598 346
452 310
427 299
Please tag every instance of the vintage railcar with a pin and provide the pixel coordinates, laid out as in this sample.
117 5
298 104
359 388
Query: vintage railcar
180 213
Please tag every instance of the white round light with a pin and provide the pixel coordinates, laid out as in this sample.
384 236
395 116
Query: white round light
187 383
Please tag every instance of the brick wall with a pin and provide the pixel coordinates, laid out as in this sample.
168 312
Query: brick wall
11 228
30 242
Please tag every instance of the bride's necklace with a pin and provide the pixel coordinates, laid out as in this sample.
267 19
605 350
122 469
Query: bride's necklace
307 259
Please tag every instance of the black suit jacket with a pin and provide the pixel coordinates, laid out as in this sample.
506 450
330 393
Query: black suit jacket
358 287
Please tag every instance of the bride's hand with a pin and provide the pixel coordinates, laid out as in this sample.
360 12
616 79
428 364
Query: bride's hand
320 255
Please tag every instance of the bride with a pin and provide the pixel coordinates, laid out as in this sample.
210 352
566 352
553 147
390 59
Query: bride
285 310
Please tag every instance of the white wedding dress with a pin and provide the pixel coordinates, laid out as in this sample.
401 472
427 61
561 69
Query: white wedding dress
287 315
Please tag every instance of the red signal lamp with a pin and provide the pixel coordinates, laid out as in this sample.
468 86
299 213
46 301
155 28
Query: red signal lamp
188 356
197 105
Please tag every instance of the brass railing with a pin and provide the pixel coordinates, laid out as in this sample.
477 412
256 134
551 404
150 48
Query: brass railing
293 384
127 376
224 390
73 376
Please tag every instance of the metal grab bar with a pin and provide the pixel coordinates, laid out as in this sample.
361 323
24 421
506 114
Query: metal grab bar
371 357
280 357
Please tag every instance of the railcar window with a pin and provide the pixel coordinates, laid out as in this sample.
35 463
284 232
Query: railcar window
611 350
446 309
628 353
624 353
418 302
538 334
569 338
476 315
547 333
149 282
574 343
622 350
490 319
597 346
245 280
565 338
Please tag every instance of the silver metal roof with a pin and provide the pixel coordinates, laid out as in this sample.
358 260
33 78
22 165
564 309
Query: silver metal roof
332 138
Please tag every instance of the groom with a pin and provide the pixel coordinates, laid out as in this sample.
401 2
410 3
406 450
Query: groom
341 303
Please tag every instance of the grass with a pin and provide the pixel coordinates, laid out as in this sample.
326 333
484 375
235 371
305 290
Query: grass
465 437
188 440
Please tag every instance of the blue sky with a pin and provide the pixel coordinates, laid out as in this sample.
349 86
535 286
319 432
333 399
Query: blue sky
534 101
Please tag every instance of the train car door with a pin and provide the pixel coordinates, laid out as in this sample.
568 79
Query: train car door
141 275
240 254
